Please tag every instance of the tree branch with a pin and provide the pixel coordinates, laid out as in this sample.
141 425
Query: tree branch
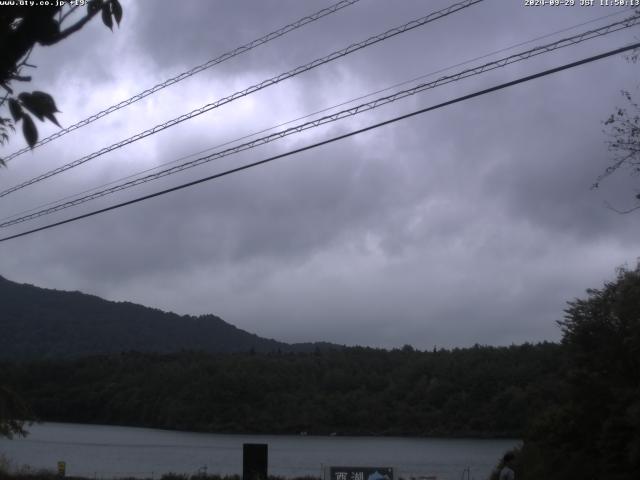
21 78
621 212
73 28
23 62
69 12
609 170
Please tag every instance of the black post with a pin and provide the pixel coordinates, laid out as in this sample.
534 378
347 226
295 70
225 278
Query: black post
254 461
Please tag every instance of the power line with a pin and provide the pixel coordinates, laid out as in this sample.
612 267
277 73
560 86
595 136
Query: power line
565 42
182 76
264 84
326 109
333 139
593 20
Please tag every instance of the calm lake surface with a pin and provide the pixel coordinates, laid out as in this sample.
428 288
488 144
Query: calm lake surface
109 452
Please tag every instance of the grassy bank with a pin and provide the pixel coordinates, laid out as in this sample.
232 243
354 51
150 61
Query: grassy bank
50 475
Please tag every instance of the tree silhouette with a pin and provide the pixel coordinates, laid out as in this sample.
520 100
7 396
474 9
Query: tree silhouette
594 431
22 27
13 413
623 140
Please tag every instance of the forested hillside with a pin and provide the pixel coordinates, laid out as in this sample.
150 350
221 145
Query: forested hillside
481 391
38 323
594 432
575 404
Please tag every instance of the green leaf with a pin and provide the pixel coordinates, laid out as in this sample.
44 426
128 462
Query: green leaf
15 109
31 104
41 104
46 100
106 16
116 8
52 118
93 6
29 130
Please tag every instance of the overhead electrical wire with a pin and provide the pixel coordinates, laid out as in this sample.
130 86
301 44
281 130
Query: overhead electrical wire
331 140
562 43
184 75
249 46
326 109
254 88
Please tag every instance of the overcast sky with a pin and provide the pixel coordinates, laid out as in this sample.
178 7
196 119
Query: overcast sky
471 223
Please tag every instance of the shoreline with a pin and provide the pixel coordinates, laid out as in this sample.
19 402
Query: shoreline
435 436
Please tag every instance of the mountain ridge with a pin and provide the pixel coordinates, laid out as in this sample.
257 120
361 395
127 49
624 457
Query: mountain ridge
38 323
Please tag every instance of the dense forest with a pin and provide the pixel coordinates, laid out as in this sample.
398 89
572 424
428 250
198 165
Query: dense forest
594 431
575 404
480 391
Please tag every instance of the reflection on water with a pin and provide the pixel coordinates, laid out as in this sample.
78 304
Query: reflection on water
105 452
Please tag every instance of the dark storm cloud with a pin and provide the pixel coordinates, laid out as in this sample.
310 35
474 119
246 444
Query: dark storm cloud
282 211
473 223
201 30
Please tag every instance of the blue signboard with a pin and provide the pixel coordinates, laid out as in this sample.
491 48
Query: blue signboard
361 473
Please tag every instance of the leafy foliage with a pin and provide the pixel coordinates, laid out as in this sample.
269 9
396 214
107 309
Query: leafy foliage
623 132
480 391
21 28
13 413
267 388
595 431
624 142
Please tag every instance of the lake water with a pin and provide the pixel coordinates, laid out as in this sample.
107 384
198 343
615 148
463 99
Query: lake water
109 452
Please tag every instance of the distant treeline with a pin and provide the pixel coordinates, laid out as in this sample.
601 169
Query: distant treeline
39 323
479 391
50 475
576 404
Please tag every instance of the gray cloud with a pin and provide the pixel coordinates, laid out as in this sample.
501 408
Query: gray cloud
473 223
